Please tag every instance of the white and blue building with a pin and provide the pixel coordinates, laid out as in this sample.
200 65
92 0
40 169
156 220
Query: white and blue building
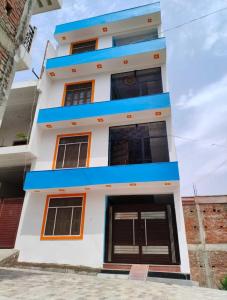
103 189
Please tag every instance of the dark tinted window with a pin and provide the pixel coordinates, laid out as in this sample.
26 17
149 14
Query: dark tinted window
136 37
136 83
78 93
135 144
83 47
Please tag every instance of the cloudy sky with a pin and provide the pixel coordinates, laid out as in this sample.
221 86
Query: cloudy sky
197 69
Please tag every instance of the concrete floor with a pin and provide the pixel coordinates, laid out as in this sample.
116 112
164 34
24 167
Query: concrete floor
30 284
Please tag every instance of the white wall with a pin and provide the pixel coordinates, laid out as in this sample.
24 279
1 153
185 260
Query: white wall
89 251
185 268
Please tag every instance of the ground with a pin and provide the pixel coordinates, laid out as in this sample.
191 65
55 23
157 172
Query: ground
31 284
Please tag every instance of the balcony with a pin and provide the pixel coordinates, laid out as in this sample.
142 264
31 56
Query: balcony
154 107
16 124
23 57
146 54
41 6
157 174
116 22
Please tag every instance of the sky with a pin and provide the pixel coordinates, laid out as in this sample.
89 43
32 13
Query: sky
197 74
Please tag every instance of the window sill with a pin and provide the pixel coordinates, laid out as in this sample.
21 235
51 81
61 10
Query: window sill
59 238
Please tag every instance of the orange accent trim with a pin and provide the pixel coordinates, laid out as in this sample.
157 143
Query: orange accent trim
100 120
79 82
156 56
99 66
66 237
49 126
84 41
68 135
158 113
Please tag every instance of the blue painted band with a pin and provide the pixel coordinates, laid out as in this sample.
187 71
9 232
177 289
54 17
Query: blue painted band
106 54
152 172
98 109
109 18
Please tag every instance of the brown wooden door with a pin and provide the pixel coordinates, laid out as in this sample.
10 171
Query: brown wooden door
142 233
10 211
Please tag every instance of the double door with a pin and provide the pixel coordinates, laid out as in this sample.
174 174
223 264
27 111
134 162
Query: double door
143 233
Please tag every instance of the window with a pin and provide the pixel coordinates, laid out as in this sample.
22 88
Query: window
72 151
136 83
83 46
136 144
63 217
136 37
78 93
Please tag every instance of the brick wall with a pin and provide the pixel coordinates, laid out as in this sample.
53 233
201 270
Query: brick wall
12 20
206 230
15 15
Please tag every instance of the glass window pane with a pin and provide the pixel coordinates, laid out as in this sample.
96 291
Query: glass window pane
60 156
63 221
84 47
134 144
59 202
50 221
76 93
74 139
76 221
136 37
83 155
71 156
135 84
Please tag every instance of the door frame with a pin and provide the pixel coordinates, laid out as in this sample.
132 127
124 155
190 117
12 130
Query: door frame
129 199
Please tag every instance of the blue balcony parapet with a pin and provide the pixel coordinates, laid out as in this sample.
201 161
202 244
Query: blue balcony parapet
106 54
106 108
68 178
109 18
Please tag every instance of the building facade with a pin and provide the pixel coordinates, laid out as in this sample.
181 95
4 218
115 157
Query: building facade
206 230
103 190
17 107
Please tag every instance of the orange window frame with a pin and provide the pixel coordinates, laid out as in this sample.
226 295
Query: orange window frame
70 135
84 41
79 82
43 237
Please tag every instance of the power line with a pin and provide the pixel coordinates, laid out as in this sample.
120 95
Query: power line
195 19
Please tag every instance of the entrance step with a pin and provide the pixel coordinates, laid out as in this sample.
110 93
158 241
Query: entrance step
139 272
152 268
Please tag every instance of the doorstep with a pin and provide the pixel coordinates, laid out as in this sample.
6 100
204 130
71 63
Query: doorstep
160 271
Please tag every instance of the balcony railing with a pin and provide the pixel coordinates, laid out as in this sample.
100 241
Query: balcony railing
29 37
